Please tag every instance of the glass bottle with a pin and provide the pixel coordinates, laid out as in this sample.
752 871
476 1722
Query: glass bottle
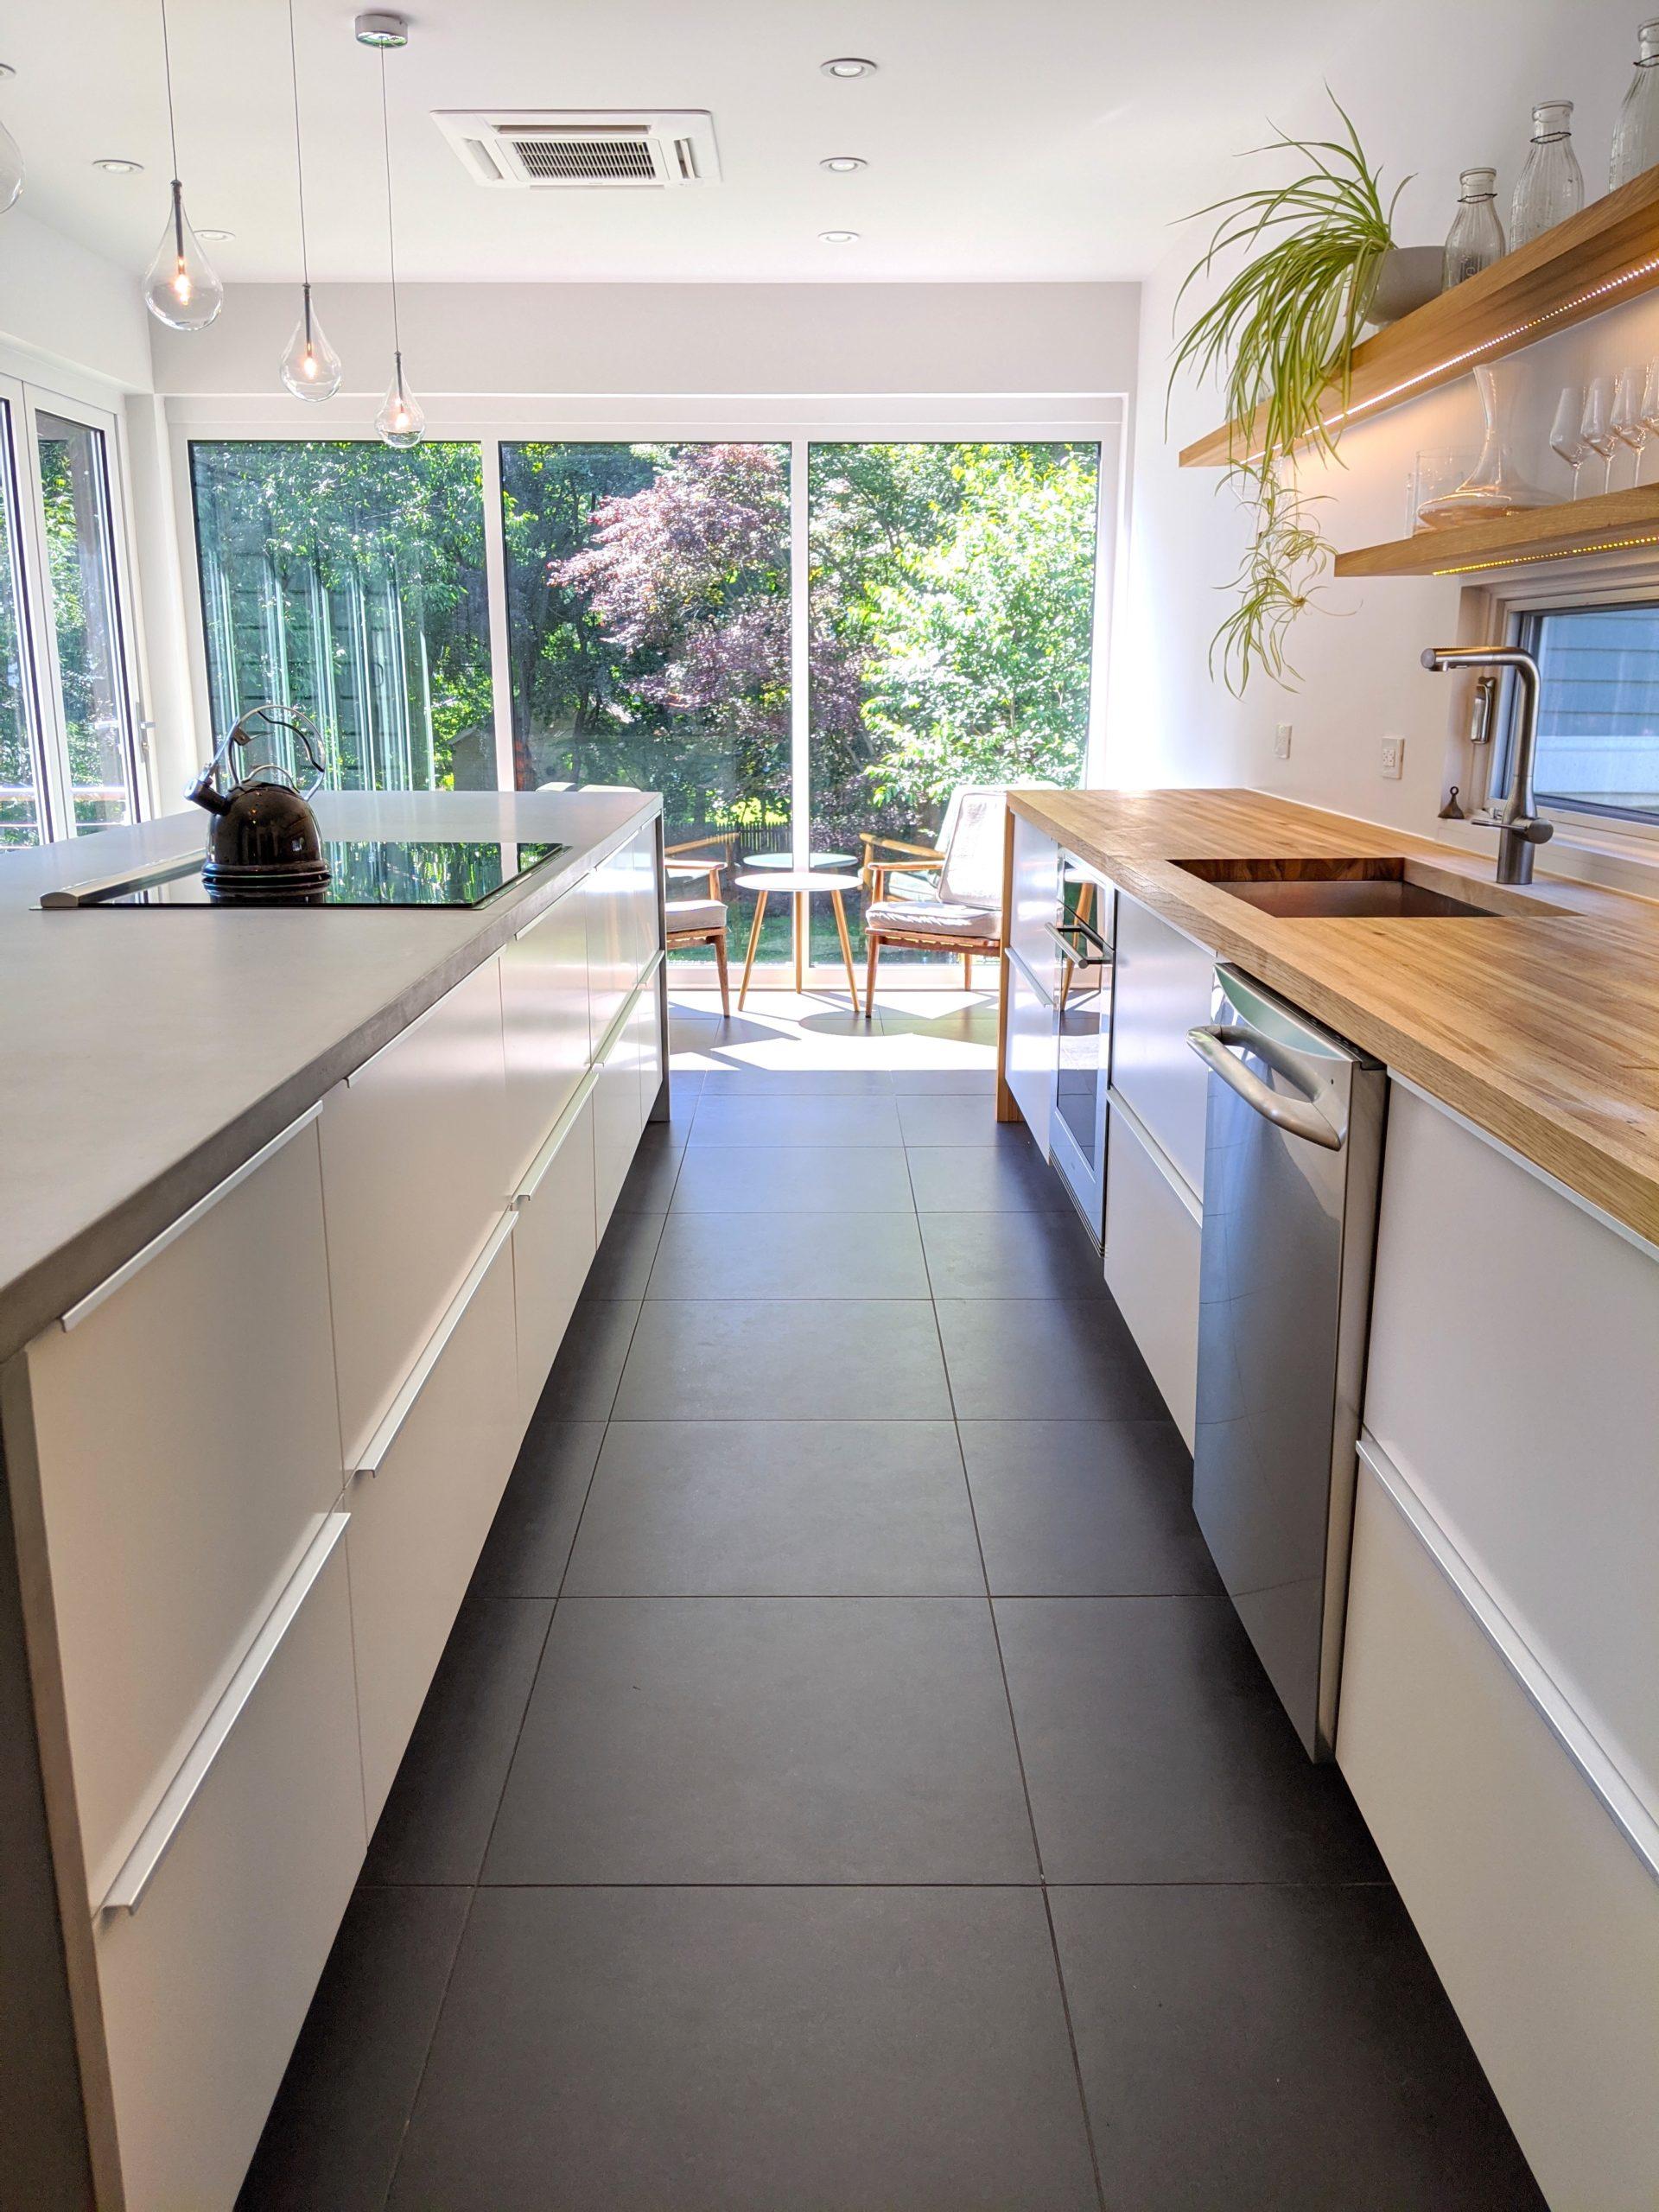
1551 185
1476 238
1636 137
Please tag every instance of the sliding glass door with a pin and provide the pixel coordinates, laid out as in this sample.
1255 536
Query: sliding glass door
23 785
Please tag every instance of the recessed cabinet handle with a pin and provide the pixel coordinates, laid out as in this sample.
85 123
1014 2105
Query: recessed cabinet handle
369 1459
126 1892
556 1137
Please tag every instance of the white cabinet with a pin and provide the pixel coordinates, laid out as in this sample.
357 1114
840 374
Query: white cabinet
203 1986
645 1024
1034 901
183 1446
553 1248
1161 988
621 902
544 1023
1154 1232
1031 1045
419 1520
616 1121
415 1172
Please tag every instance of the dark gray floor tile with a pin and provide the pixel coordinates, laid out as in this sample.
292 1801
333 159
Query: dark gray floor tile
756 1739
334 2134
584 1376
984 1178
798 1083
1044 1359
1155 1749
805 1119
684 1090
790 1179
822 1509
948 1083
791 1256
1079 1508
438 1821
824 1359
526 1552
621 1266
1282 2046
749 2051
968 1119
649 1186
1011 1256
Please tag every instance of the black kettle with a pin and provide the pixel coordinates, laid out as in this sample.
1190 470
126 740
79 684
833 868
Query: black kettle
263 845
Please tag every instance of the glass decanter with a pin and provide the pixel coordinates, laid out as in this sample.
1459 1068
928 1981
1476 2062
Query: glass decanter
1636 137
1496 487
1551 185
1476 238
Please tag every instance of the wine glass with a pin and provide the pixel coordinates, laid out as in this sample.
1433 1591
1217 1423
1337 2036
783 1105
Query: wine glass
1598 432
1628 424
1567 432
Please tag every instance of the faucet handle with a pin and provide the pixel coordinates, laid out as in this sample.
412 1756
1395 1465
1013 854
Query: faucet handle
1534 832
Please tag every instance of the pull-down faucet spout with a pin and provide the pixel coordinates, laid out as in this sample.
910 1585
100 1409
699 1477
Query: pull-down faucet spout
1518 825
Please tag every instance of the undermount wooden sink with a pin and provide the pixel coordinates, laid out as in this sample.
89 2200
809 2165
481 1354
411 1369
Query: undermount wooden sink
1385 887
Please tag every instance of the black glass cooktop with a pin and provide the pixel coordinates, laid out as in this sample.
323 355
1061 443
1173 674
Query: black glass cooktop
381 872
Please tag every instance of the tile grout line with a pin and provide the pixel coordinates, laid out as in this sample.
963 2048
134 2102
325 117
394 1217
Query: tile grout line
426 2056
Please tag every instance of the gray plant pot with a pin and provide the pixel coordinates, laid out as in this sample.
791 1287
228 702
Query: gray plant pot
1408 276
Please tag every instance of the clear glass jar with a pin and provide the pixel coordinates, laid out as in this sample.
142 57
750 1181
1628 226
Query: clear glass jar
1636 137
1476 238
1551 185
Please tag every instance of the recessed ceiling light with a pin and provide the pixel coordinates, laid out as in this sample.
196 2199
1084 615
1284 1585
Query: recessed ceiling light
839 238
217 237
847 64
844 164
118 165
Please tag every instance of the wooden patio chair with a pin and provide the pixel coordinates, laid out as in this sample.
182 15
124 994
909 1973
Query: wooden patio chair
699 921
946 898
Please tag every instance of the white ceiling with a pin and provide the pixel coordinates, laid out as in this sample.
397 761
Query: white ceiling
1006 138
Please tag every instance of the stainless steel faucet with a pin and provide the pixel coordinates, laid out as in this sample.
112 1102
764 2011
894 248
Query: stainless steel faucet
1518 826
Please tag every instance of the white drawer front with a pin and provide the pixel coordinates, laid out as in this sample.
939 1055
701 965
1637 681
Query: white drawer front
544 1023
1161 988
620 900
1033 1050
552 1250
646 1030
1152 1267
204 1985
1036 900
1540 1920
616 1121
418 1525
415 1171
187 1446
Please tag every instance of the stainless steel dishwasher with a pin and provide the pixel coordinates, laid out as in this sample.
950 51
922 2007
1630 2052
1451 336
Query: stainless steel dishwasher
1291 1169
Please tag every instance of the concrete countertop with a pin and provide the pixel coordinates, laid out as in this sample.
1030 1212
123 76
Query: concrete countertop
147 1052
1539 1023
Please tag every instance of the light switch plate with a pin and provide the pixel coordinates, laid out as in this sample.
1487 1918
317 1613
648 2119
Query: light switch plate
1393 762
1281 742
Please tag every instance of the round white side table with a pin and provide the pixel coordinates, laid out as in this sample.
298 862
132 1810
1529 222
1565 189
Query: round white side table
798 884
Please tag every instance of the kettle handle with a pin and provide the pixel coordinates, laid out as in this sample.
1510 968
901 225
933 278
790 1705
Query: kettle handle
205 791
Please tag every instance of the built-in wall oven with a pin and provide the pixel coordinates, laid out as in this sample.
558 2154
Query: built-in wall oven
1081 932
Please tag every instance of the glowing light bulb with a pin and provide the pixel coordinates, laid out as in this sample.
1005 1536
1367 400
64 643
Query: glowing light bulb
401 419
311 367
182 290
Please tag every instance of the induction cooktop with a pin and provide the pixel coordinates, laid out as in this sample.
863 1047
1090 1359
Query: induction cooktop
376 872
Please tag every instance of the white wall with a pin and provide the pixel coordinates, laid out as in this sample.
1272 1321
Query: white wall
1170 722
69 309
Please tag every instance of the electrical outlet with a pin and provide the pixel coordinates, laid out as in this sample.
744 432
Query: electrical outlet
1393 762
1281 742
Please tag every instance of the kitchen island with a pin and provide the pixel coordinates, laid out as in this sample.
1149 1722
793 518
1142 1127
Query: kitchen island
294 1207
1496 1718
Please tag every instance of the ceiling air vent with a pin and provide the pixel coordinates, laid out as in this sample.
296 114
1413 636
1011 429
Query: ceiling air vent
626 150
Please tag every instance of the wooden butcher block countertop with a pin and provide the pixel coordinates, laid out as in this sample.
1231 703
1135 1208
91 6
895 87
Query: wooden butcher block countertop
1539 1023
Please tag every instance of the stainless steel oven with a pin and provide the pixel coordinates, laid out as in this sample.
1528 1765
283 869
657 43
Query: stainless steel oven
1082 930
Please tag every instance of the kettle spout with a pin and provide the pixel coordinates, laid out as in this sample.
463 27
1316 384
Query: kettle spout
205 794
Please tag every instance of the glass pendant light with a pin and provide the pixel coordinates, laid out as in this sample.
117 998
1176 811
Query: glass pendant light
11 160
401 419
181 289
310 366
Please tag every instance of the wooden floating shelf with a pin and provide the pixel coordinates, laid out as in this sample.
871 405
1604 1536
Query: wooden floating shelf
1604 255
1611 522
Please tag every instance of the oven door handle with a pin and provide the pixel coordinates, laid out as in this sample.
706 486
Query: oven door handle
1297 1117
1100 956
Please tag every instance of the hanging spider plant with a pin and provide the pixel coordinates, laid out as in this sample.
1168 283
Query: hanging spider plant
1279 337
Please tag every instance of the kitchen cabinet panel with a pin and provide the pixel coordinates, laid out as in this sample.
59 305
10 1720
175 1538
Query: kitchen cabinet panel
185 1445
1153 1241
203 1987
1036 901
544 1023
552 1250
1542 1922
616 1121
1161 988
646 1025
1032 1046
419 1524
621 901
416 1172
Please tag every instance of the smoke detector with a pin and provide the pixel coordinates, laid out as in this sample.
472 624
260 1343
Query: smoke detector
627 149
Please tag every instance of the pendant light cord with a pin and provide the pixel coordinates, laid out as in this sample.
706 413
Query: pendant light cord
166 70
299 153
391 236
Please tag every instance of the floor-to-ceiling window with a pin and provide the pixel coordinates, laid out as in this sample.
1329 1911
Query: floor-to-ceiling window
23 799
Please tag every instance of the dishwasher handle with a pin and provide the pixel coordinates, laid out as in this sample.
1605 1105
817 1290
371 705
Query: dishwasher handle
1297 1117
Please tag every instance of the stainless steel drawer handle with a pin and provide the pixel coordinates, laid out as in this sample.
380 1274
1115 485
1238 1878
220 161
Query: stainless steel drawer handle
1099 953
369 1459
126 1892
1034 984
1297 1117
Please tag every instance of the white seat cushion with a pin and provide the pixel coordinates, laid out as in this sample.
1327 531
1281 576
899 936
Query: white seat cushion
933 917
696 914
